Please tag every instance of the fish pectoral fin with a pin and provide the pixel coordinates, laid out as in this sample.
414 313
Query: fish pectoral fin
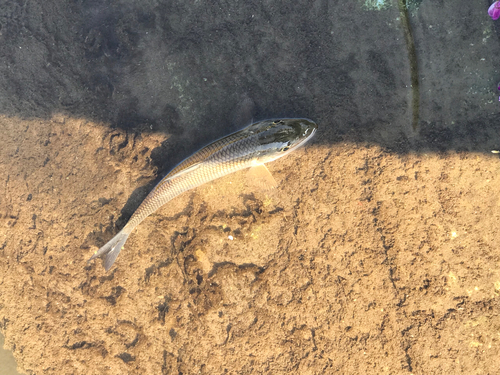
260 177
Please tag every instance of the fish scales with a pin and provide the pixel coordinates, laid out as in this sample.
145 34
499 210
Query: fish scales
254 145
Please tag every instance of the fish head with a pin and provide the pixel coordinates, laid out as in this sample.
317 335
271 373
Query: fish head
276 138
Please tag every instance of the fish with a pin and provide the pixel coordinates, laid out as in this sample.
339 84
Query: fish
250 147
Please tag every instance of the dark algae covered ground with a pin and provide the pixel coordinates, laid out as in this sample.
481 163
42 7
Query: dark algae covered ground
378 252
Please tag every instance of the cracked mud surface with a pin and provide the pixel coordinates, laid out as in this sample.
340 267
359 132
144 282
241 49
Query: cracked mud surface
360 261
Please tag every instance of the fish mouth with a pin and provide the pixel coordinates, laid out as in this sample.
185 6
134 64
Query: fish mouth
302 142
307 138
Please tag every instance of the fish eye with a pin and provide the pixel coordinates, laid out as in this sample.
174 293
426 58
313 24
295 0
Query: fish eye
286 148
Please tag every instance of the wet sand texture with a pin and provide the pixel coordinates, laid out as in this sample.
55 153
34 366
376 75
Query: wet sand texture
377 253
7 360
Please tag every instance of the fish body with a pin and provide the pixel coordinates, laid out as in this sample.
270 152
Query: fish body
252 146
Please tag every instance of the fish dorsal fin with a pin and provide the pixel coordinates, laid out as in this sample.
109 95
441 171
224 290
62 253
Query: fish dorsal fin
170 176
191 168
260 177
207 151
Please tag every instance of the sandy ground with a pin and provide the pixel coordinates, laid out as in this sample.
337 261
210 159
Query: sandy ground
361 261
377 253
7 360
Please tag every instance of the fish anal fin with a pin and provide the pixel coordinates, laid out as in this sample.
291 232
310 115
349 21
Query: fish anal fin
260 177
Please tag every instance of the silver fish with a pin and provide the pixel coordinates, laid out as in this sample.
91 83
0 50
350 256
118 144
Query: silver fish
252 146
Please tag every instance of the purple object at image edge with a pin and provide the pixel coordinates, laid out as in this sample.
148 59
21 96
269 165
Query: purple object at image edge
494 10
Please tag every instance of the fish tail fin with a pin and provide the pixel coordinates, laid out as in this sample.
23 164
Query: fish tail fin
112 249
